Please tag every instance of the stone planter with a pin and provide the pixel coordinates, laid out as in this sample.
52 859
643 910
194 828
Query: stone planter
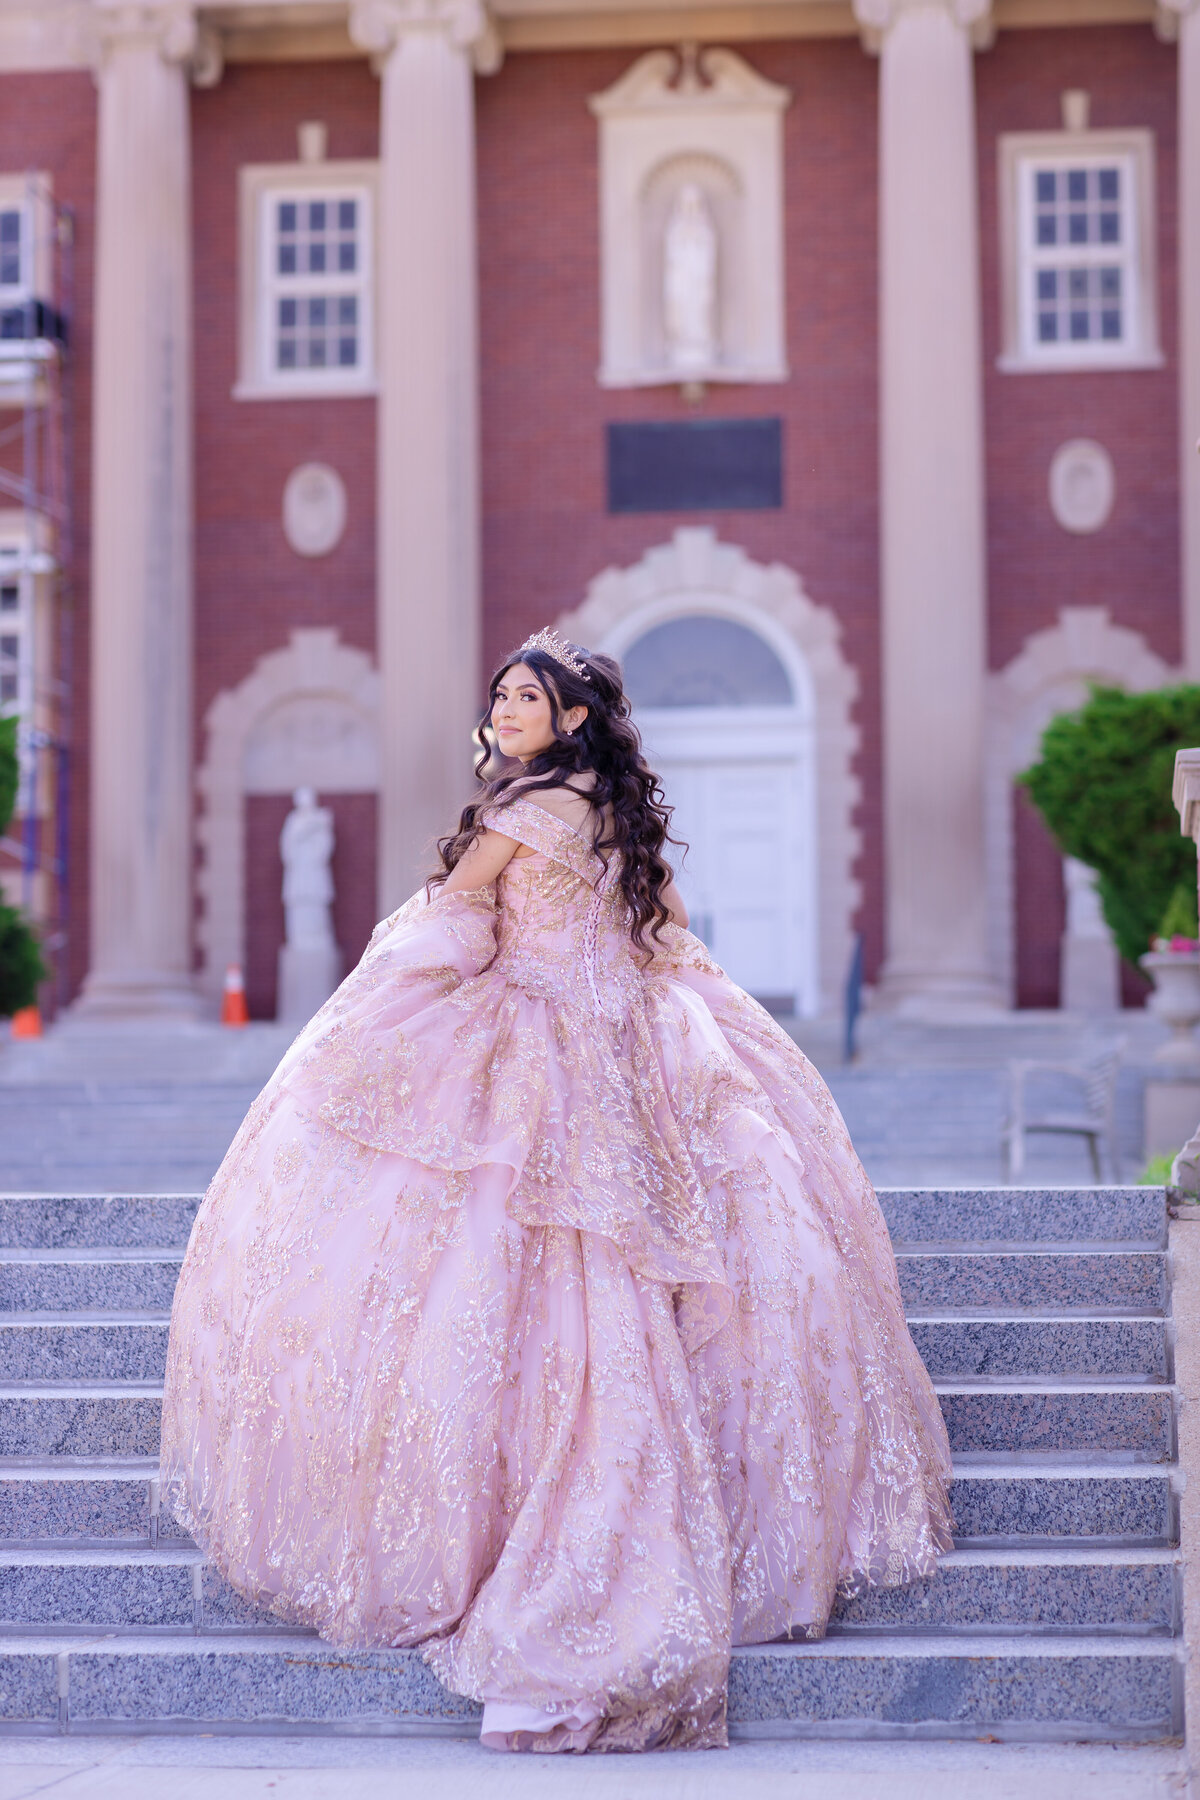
1176 1001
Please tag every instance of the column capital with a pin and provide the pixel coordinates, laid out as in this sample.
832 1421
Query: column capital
876 17
168 26
378 26
1167 15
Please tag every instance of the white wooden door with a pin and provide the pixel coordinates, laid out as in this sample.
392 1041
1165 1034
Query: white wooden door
738 780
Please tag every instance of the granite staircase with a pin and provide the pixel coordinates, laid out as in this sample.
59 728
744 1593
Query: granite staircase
1043 1316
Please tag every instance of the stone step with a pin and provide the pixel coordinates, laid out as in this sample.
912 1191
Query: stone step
59 1501
1065 1420
99 1281
1008 1349
1011 1504
970 1220
1129 1424
103 1419
1126 1282
1064 1591
860 1684
946 1219
96 1221
1100 1283
1060 1591
69 1348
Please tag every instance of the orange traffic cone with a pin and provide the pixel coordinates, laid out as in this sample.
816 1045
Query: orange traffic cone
27 1022
233 1000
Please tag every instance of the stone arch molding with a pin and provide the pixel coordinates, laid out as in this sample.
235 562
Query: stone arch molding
694 573
306 715
1049 675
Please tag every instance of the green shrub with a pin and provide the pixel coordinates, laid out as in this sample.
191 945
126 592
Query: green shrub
1179 920
21 965
1103 786
1157 1172
10 771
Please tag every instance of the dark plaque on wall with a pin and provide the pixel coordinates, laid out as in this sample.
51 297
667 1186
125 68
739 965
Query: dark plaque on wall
698 465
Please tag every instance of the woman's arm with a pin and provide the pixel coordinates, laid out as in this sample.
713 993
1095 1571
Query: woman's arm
481 864
672 899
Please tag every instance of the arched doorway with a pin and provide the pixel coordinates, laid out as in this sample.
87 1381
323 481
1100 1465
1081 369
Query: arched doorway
791 736
728 726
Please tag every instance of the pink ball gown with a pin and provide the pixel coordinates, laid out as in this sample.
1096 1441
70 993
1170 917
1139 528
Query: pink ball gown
542 1314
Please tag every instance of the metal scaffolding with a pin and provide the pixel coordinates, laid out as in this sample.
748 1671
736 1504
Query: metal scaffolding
37 549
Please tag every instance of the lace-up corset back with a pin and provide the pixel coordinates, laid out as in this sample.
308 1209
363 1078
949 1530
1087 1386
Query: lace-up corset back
563 926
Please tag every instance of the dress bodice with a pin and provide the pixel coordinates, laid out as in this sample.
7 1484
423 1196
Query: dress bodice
562 927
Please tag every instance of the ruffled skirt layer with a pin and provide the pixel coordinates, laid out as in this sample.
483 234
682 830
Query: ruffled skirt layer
616 1377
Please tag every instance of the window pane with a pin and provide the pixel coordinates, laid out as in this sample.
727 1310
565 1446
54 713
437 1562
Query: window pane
10 248
1110 184
10 597
1079 305
1076 184
321 330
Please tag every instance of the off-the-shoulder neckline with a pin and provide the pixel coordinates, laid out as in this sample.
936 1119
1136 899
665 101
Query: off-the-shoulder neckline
523 800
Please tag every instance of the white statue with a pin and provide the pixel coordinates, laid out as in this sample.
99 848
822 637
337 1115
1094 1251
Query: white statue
1089 965
310 963
690 282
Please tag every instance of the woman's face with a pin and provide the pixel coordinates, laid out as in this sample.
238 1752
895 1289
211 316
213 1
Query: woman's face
521 715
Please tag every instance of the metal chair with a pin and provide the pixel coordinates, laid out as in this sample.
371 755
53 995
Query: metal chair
1096 1120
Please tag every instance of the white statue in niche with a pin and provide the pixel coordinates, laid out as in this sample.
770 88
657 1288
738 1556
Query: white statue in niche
310 963
1089 967
690 282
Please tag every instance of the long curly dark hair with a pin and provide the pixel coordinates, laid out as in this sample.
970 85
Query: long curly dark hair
632 817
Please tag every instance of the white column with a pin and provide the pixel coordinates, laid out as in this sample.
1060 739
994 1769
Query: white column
1183 16
141 617
933 591
428 426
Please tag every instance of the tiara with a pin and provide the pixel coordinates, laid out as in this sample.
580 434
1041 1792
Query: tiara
551 644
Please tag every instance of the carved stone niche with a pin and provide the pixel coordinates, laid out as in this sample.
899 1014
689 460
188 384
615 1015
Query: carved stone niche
691 222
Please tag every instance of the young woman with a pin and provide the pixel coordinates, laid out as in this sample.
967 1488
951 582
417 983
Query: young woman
541 1312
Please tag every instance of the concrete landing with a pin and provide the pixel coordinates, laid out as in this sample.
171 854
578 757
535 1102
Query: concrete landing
141 1769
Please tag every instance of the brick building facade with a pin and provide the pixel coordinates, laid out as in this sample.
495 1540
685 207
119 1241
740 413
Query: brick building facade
281 105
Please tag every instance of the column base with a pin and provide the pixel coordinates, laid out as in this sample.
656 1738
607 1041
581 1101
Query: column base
151 997
938 997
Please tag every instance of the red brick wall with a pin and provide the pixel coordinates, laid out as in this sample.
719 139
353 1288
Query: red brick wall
48 124
1131 565
251 588
546 533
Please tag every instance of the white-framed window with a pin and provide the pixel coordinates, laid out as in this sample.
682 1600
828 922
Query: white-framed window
16 638
16 252
307 311
1078 250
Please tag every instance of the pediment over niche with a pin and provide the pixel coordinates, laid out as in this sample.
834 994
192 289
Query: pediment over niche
689 80
691 221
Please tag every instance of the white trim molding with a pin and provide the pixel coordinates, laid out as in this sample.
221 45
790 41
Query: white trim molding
1131 153
706 122
696 573
1049 675
306 716
257 183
